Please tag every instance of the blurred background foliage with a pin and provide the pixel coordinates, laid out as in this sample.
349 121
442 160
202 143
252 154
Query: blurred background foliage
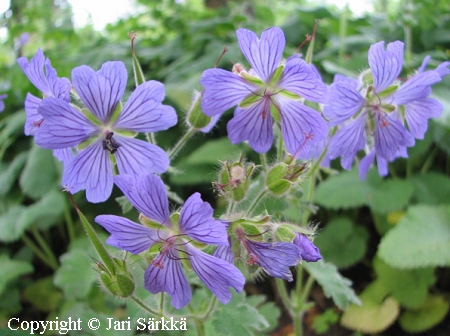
42 242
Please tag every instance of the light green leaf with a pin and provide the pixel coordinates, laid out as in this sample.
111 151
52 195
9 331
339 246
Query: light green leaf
408 287
342 242
8 175
429 314
420 239
10 228
333 283
12 269
39 175
431 188
214 151
43 295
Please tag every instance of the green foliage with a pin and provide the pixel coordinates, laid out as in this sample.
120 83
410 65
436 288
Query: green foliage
322 322
420 239
11 270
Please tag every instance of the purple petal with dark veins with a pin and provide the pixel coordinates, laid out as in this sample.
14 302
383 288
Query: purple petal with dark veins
34 119
415 88
217 274
147 194
253 124
364 165
300 78
301 126
91 169
224 252
65 155
196 221
101 91
385 65
63 125
417 114
223 90
136 157
170 279
276 258
127 235
308 250
144 112
345 101
264 55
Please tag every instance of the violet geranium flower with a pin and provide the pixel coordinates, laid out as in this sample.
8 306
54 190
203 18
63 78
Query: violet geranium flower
102 129
309 251
174 236
371 112
2 103
269 91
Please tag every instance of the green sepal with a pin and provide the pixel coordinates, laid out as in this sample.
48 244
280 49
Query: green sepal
275 113
195 116
252 231
313 105
367 77
251 79
175 219
89 115
137 70
275 180
149 223
277 74
86 143
285 234
389 91
115 115
387 107
249 100
290 95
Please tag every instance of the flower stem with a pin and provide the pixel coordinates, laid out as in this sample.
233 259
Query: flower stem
44 246
281 288
181 143
210 309
151 138
429 160
41 255
258 198
143 305
263 159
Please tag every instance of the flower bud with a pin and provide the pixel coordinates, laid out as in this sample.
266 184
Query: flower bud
195 116
234 180
282 176
309 251
120 284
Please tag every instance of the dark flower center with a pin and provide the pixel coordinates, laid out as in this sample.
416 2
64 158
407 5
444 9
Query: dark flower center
110 144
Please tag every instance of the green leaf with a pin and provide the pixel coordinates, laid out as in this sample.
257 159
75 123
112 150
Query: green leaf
43 295
429 314
408 287
342 242
10 228
431 188
8 175
238 318
39 175
214 151
333 283
268 309
420 239
76 275
12 269
376 313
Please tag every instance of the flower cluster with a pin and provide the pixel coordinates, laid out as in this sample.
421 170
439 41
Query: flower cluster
371 111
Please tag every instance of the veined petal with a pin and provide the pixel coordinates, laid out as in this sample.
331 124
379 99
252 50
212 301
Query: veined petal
345 101
308 250
136 157
196 220
385 65
65 155
300 126
34 119
417 87
91 169
127 235
101 91
63 125
300 78
224 252
147 194
169 278
264 55
382 165
59 87
417 114
253 124
350 82
216 274
212 123
223 90
443 69
276 258
390 135
144 112
348 141
364 165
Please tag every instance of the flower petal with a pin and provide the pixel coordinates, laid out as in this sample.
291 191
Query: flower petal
101 91
264 55
170 279
196 220
65 155
224 252
348 141
34 119
223 90
417 114
63 126
136 157
127 235
216 274
417 87
300 78
91 170
385 65
345 101
147 194
301 126
144 112
364 165
253 124
276 258
308 250
390 135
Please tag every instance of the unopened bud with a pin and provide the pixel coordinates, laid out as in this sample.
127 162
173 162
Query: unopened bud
120 284
234 180
195 116
282 176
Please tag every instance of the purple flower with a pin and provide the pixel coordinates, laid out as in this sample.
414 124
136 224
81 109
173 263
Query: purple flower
165 274
2 103
268 91
103 132
371 112
309 251
275 258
